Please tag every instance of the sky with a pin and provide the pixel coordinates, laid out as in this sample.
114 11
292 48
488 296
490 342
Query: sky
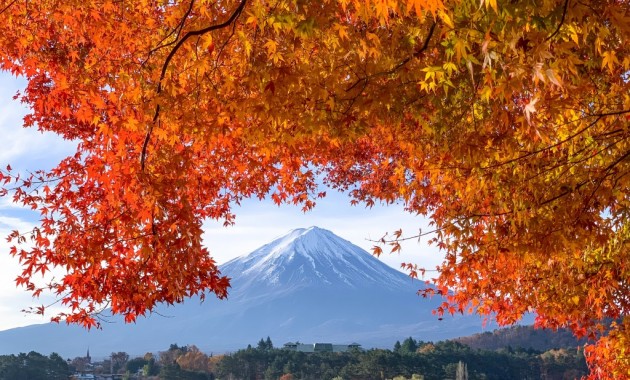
257 222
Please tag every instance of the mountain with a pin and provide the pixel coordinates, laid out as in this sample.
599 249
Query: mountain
309 285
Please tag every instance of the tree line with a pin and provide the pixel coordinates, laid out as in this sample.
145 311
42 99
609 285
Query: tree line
409 359
33 366
522 336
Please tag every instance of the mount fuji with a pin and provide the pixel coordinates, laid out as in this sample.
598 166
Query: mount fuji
309 285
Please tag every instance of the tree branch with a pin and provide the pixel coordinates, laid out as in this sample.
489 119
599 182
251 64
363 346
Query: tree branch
416 54
417 236
598 117
564 13
177 30
7 7
167 61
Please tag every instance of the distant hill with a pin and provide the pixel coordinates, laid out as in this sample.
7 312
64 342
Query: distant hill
526 337
309 285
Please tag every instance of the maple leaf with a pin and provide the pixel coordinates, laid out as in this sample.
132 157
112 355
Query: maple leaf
530 108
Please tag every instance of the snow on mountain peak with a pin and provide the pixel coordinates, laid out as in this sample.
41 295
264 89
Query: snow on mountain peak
309 256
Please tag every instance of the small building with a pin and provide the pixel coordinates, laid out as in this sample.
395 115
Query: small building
321 347
83 376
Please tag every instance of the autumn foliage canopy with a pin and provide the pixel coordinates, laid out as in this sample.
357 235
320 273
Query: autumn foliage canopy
506 122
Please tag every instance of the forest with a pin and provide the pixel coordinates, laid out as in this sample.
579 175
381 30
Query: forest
522 336
410 359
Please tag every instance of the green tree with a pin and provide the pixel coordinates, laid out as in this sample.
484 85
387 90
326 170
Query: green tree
57 367
409 346
118 361
264 344
33 366
261 345
135 364
397 346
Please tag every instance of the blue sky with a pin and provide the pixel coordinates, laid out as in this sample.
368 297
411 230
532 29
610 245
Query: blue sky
257 222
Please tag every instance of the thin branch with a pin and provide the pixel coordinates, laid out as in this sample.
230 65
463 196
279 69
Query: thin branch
177 30
7 7
399 239
416 54
199 32
566 192
169 57
617 161
535 152
564 13
220 51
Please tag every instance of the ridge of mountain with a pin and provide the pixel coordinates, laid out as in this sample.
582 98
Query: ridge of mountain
308 285
522 337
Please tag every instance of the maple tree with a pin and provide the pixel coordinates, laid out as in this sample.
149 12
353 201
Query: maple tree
504 122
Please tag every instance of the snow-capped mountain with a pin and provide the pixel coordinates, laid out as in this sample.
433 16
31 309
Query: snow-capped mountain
309 285
307 257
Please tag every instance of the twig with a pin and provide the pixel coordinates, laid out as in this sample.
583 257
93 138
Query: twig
177 30
416 54
170 56
564 13
7 7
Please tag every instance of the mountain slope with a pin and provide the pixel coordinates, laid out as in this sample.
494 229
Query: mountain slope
311 256
309 285
525 337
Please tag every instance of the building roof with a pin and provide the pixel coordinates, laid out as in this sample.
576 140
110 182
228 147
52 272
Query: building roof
320 347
